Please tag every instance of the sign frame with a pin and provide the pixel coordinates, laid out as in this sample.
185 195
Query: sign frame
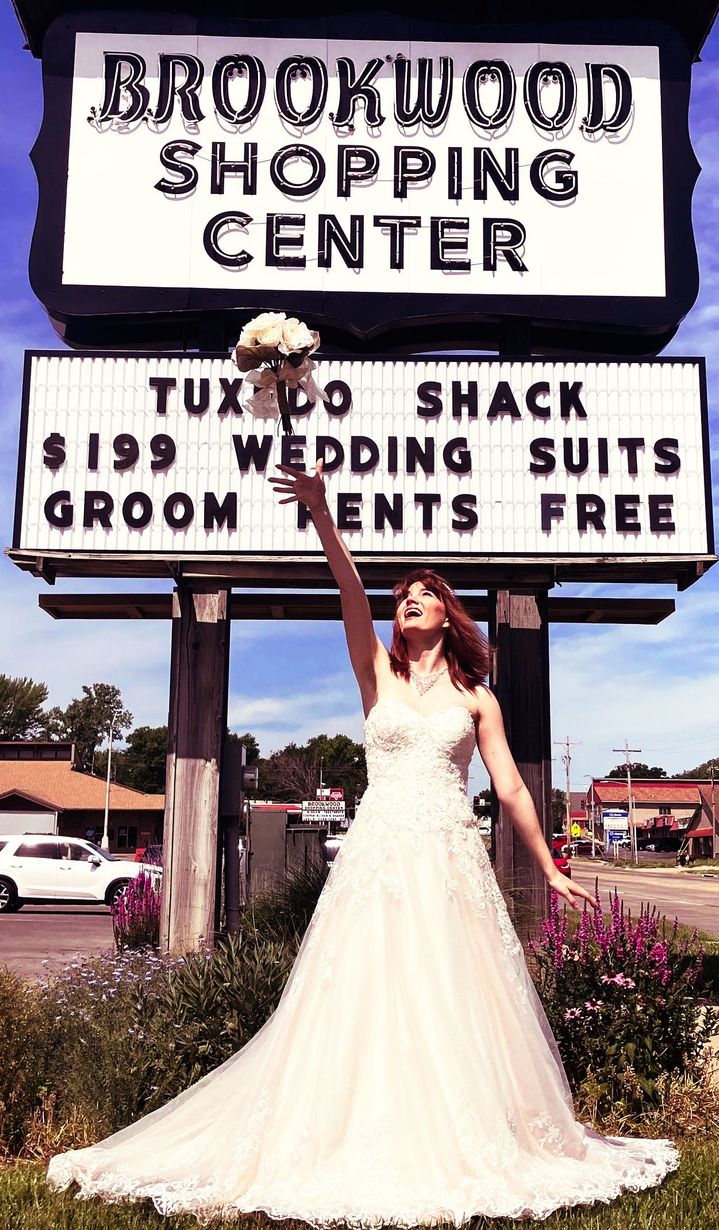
139 316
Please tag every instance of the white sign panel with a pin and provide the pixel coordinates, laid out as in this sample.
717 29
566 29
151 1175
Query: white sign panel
322 810
153 454
390 166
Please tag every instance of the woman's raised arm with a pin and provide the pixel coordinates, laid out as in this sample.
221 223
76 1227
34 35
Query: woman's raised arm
367 653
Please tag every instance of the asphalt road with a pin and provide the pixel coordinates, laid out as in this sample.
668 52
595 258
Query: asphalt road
691 897
42 938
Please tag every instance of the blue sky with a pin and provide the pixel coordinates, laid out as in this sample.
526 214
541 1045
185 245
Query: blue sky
656 687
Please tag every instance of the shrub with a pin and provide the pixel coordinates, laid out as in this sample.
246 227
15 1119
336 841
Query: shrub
24 1050
686 1105
144 1027
96 1037
208 1007
136 914
622 998
286 909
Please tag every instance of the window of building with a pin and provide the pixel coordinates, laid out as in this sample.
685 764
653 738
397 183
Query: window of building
665 810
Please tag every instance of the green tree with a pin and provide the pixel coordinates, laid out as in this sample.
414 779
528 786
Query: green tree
252 747
703 770
293 773
638 769
86 721
142 763
559 811
21 701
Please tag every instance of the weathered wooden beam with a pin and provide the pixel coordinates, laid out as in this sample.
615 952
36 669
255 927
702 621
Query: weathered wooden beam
326 606
519 635
196 724
483 572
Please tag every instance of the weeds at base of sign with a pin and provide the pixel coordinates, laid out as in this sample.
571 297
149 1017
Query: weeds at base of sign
274 351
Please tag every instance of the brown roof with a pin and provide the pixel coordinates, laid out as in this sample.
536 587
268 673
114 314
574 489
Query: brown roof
69 790
647 792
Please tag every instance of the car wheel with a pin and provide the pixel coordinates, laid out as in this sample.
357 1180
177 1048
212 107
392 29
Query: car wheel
115 891
9 900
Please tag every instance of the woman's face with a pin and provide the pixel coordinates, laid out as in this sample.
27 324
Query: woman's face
421 610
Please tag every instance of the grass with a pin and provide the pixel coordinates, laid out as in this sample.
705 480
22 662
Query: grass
688 1199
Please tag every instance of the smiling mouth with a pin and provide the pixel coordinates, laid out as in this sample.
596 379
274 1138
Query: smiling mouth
409 614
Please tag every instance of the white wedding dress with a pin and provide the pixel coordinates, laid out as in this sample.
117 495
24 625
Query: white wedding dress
408 1074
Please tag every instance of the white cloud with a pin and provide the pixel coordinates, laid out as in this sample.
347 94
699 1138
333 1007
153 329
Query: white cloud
655 686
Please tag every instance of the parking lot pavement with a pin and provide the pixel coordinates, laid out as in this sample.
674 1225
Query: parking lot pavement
43 938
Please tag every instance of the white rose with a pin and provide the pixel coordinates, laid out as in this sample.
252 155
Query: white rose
264 330
295 336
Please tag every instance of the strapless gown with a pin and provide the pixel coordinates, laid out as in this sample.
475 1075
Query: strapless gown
409 1074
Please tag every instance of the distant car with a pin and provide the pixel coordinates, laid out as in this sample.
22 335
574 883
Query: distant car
562 863
560 854
39 868
151 854
583 846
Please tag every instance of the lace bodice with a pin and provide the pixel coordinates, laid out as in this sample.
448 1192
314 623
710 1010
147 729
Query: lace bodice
420 754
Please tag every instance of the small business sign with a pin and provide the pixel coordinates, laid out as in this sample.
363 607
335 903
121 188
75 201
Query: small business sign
154 455
426 172
615 824
322 811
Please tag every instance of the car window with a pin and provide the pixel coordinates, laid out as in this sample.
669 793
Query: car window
98 850
2 845
74 851
38 849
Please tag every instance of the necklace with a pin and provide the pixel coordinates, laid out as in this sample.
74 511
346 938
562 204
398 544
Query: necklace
422 683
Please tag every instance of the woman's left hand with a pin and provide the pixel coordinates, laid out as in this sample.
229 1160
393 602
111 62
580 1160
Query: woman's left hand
573 893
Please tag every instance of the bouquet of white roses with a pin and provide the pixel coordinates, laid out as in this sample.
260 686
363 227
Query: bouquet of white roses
274 350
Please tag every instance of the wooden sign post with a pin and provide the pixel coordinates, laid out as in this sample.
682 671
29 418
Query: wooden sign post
196 727
519 635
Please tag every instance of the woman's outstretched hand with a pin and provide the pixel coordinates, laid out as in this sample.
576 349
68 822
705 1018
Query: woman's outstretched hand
573 893
309 489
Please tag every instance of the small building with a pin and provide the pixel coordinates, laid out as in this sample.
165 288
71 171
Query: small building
282 843
665 810
43 789
699 839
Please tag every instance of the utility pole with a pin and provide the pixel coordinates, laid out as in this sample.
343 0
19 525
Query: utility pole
630 805
105 843
715 835
566 761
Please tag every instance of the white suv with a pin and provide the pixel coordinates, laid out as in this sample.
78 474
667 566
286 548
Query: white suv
40 868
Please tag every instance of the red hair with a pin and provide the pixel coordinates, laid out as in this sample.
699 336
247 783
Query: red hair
465 647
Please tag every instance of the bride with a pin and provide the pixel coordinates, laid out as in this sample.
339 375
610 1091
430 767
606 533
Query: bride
408 1075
